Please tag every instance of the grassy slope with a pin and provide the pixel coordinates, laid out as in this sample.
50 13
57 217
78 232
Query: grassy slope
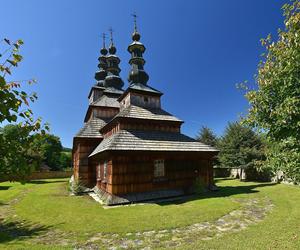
280 230
10 190
48 204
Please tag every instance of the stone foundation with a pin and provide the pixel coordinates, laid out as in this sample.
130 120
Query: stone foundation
110 199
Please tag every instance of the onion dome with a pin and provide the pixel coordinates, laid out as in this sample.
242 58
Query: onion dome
137 73
112 49
101 73
113 79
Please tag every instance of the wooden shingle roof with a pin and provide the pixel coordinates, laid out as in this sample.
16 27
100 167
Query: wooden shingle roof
91 129
151 141
147 113
144 88
106 101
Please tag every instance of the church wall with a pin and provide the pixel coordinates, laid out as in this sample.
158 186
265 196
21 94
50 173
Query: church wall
135 172
104 175
101 112
84 168
141 125
142 100
95 95
151 126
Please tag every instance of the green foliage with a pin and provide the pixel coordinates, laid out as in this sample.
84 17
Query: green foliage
50 150
14 102
21 152
67 149
275 104
65 160
77 187
207 136
17 159
240 147
285 156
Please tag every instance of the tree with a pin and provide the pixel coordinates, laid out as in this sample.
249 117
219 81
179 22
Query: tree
50 149
240 147
15 107
207 136
17 159
65 159
14 103
275 102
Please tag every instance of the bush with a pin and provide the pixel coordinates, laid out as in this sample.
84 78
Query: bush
76 186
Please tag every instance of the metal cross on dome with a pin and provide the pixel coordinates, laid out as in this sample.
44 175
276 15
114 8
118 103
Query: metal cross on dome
103 37
134 19
111 34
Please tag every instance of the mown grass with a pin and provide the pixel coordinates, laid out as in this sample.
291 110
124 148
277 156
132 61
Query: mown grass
50 204
46 203
279 230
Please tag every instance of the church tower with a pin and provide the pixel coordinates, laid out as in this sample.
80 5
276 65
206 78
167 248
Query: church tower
103 105
139 93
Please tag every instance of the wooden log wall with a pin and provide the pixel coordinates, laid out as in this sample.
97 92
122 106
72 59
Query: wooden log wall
85 169
105 183
127 174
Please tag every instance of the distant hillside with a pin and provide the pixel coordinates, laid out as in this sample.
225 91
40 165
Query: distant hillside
67 149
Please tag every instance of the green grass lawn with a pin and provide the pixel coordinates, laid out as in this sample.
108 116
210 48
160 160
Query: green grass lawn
44 206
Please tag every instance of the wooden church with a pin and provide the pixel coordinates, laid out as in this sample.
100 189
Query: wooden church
130 149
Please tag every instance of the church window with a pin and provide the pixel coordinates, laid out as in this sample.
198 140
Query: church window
105 170
159 168
99 171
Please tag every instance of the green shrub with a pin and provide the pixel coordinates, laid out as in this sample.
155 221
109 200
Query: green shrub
76 186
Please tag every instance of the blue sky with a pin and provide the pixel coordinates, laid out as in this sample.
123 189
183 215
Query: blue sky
197 51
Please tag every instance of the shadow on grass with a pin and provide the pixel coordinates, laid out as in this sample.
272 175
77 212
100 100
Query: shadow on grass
223 191
4 187
45 181
10 231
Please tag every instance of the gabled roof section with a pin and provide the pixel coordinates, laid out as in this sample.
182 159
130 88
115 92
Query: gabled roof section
91 129
133 111
113 90
141 88
95 87
134 140
106 101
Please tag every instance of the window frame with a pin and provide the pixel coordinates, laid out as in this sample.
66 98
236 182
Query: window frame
105 170
99 172
159 168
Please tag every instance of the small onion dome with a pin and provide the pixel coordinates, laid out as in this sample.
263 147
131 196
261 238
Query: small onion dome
112 49
100 75
136 36
103 51
136 45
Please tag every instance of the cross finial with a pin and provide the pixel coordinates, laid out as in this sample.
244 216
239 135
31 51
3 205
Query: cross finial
103 38
111 35
134 20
